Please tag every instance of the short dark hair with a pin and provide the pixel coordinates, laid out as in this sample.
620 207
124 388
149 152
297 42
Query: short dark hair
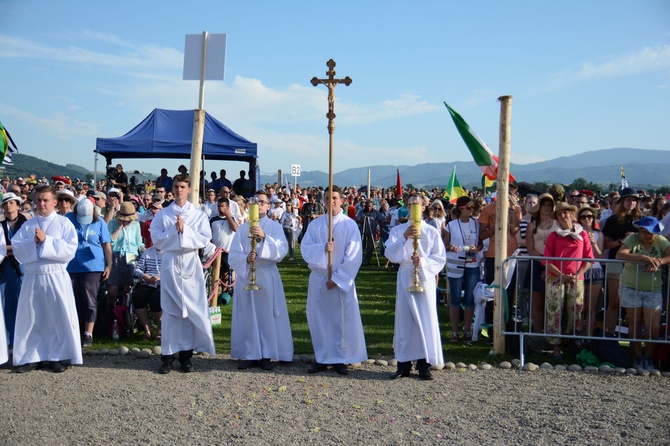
261 192
335 189
181 178
223 200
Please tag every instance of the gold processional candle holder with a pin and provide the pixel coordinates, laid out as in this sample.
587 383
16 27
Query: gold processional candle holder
253 222
415 218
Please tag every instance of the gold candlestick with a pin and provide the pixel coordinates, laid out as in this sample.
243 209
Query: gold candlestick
415 210
253 222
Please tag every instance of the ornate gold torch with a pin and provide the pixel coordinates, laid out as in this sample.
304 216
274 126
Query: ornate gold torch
415 220
253 221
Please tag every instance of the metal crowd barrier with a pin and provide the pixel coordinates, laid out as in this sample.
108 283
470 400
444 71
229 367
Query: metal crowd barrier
591 322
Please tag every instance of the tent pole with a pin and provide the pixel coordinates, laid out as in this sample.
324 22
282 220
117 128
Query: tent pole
95 170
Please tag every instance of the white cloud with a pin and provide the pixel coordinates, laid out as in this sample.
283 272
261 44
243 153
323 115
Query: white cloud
643 61
151 58
61 126
646 60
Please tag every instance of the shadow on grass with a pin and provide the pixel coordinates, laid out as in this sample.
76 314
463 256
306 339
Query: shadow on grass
376 288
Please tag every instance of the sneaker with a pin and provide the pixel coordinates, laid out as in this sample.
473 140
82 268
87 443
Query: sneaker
648 364
454 337
87 341
638 364
468 337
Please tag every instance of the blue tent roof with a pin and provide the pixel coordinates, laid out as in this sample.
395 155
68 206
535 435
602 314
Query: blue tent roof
169 134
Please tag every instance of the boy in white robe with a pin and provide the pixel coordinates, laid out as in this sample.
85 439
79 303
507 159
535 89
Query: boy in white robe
332 305
179 230
47 326
261 329
417 330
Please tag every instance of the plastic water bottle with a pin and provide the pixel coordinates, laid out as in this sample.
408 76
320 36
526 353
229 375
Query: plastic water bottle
115 330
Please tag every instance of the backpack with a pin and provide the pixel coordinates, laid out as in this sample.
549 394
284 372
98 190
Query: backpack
609 350
122 316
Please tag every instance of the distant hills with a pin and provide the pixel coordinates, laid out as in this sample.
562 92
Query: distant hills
643 168
26 165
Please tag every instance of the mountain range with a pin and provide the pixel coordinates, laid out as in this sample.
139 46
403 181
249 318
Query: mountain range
643 169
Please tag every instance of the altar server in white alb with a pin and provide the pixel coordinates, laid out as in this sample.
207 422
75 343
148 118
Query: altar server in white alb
47 327
261 330
332 305
417 330
3 334
179 230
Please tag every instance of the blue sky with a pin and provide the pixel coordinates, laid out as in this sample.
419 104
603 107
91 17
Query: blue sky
584 75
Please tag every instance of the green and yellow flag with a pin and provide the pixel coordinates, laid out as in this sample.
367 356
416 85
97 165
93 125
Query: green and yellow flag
7 146
454 189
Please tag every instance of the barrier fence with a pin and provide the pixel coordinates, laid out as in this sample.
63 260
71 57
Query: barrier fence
601 308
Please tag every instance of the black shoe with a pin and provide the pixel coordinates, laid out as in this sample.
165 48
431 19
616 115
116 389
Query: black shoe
25 368
341 369
167 365
57 367
400 374
249 363
186 365
316 368
426 375
266 364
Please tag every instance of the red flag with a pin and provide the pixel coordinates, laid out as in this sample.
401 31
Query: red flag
398 186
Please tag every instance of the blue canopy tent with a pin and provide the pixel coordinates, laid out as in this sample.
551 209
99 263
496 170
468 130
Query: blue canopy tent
169 134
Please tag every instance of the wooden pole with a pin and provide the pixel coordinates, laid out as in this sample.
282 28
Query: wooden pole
198 129
330 82
502 216
216 275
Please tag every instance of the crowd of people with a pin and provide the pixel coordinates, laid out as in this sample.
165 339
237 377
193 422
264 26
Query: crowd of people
68 240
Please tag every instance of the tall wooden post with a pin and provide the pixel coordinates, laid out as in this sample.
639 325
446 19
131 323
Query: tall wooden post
502 216
198 129
331 83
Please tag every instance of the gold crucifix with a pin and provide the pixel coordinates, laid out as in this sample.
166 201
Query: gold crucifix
331 83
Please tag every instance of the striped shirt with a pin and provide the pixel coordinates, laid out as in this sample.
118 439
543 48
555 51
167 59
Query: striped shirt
149 263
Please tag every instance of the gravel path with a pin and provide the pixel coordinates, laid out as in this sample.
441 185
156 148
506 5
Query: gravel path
122 400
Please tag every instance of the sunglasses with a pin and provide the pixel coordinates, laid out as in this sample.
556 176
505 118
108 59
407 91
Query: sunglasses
469 208
584 217
263 202
62 199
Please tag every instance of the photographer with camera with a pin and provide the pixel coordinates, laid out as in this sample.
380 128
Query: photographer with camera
368 220
114 200
309 212
119 179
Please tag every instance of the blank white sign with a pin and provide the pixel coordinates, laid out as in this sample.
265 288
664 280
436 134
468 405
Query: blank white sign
216 57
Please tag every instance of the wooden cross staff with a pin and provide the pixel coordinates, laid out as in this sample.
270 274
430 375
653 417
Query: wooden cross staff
330 82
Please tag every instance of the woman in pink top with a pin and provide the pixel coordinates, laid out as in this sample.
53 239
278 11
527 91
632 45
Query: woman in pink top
565 278
537 233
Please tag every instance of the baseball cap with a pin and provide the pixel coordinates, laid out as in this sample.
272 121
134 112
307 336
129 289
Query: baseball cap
85 212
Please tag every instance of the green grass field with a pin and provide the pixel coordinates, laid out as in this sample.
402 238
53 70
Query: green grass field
376 295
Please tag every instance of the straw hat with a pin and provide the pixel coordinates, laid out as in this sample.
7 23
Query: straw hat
536 209
127 212
563 206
